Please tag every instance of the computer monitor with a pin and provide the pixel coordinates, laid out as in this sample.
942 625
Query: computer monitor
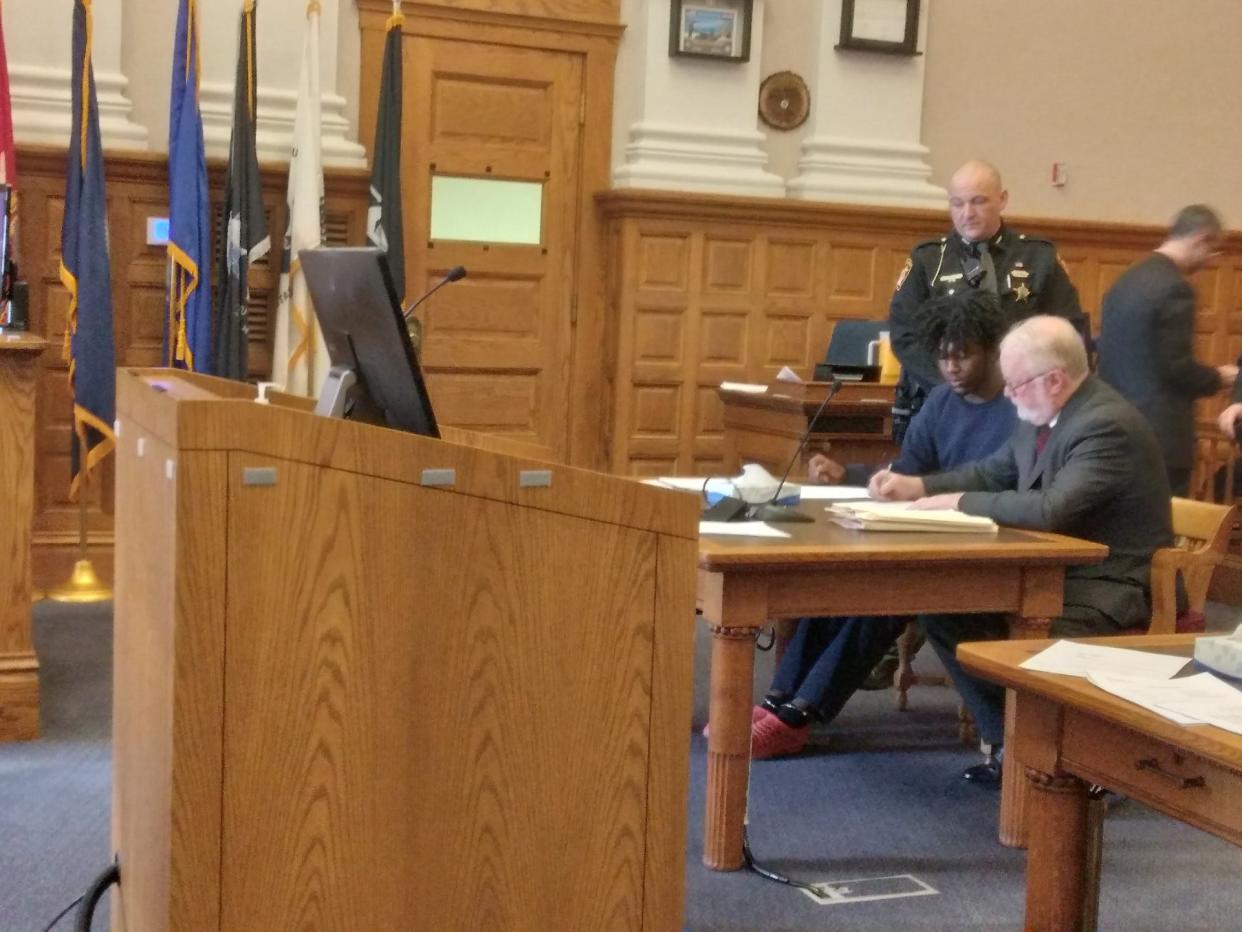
375 375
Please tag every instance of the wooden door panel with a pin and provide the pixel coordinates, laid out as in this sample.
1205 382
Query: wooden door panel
496 346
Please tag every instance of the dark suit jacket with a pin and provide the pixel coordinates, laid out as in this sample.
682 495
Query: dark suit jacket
1146 352
1100 478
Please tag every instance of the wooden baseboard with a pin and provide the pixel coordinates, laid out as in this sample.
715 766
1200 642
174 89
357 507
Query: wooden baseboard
19 698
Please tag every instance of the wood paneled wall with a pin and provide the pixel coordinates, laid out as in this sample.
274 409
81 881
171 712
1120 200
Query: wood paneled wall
707 288
137 190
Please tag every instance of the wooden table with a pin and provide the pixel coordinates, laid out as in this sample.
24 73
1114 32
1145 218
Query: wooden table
1069 734
19 667
765 428
823 569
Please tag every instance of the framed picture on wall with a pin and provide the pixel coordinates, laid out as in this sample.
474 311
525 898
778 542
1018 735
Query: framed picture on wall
890 26
717 29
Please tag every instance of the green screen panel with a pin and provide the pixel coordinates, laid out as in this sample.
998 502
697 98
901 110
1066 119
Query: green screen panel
486 210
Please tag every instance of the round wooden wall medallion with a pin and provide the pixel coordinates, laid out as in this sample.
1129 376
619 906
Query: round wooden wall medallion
784 101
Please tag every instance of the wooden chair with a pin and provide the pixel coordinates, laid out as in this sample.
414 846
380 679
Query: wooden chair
1215 466
905 677
1201 531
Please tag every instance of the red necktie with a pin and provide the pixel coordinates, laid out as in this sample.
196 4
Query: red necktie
1042 433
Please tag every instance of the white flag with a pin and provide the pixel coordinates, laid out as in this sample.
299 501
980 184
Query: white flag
299 356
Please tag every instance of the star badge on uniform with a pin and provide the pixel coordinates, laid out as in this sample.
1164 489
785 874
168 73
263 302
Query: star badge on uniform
1022 292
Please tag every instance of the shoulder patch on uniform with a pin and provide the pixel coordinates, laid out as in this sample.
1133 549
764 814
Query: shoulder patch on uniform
905 273
1037 239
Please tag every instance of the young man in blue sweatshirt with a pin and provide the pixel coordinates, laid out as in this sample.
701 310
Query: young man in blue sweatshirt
963 420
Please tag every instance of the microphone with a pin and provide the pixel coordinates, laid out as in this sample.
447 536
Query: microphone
455 274
770 511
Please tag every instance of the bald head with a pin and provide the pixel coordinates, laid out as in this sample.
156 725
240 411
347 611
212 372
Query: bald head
976 200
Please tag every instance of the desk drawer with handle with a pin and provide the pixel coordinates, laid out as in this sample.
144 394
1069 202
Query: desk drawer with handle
1198 791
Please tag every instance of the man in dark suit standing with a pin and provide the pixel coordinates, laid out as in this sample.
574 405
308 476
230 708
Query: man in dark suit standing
1082 461
981 253
1146 342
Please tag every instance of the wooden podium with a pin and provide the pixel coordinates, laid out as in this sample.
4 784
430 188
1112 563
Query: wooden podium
765 427
370 680
19 667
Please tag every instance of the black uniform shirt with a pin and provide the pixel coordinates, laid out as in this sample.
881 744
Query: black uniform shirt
1030 280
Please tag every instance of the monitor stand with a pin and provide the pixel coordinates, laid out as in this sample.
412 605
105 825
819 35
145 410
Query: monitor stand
334 394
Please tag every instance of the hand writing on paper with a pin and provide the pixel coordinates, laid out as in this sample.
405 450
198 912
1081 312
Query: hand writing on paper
888 486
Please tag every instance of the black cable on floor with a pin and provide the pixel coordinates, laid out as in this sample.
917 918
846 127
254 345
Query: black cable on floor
86 912
767 874
61 915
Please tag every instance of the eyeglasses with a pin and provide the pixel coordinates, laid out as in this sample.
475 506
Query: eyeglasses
1014 387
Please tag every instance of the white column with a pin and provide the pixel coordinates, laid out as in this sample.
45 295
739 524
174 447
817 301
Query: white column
149 28
863 144
39 44
691 123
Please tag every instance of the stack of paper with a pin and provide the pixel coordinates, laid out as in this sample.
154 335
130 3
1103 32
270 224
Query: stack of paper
834 493
1147 680
899 516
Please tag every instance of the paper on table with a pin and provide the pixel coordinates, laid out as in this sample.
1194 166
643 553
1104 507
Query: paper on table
744 387
1072 659
740 528
787 375
1157 695
1214 701
834 493
899 516
1230 721
685 483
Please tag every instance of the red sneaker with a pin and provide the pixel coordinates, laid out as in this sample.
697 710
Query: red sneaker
770 737
756 714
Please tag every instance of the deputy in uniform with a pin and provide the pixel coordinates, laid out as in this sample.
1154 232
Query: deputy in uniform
981 253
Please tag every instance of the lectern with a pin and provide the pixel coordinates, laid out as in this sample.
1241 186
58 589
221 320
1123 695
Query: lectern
372 680
19 668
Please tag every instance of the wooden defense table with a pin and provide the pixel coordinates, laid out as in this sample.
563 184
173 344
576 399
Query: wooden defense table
765 428
1070 734
823 569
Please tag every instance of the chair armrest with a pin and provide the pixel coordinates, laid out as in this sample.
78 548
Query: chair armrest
1196 567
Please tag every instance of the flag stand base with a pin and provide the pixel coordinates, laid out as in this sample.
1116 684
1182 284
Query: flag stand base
82 586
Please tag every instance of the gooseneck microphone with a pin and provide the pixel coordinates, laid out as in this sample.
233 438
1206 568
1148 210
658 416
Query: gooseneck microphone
770 511
456 273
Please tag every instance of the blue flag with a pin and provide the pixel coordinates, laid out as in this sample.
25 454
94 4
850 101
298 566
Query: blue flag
85 270
187 328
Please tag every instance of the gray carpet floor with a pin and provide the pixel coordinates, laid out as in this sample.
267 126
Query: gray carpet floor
881 798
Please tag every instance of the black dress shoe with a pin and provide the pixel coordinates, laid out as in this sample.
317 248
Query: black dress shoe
987 774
